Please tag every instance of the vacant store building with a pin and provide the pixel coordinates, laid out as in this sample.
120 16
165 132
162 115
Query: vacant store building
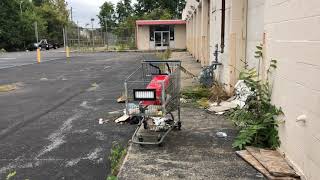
160 34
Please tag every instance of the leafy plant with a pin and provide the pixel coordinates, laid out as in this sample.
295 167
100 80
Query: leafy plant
10 175
112 178
257 119
117 154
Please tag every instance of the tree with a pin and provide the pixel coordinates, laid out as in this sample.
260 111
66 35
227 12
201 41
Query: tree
107 14
123 10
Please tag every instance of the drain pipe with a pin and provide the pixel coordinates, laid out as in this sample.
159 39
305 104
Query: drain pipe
223 25
246 31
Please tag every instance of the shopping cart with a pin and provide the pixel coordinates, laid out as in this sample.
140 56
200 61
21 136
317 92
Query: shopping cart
153 96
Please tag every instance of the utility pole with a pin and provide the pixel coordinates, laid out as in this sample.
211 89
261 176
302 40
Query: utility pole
71 14
106 36
92 19
36 31
78 35
21 8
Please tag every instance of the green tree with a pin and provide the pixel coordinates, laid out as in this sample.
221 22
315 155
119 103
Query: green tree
107 14
123 10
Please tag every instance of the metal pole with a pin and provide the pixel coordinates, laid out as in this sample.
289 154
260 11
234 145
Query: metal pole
92 33
78 35
21 7
106 22
36 31
64 38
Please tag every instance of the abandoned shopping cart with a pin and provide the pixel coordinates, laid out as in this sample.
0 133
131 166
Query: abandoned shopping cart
153 96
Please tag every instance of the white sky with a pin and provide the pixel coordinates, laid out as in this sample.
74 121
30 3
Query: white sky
84 10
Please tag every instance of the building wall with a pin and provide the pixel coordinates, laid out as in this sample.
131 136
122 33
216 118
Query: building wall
289 31
144 43
292 37
143 38
180 36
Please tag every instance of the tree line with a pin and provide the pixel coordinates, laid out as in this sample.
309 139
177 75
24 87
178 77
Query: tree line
120 18
18 17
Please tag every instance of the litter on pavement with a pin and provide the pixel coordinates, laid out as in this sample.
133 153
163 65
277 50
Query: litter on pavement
221 134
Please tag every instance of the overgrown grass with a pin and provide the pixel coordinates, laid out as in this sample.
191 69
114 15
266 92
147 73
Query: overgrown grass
198 95
116 158
11 175
165 55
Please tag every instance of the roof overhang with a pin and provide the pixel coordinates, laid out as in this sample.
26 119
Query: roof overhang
159 22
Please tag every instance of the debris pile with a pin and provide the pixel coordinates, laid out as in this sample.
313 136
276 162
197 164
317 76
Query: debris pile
270 163
242 93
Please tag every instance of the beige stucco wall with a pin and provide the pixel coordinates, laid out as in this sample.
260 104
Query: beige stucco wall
144 43
180 36
292 37
143 38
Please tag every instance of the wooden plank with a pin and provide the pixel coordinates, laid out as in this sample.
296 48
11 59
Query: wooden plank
272 161
245 155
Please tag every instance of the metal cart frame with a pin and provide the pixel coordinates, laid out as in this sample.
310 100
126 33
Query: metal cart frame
162 101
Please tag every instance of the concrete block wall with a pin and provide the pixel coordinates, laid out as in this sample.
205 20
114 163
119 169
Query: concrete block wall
290 33
292 37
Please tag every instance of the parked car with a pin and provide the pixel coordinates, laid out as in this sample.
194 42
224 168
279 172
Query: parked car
43 44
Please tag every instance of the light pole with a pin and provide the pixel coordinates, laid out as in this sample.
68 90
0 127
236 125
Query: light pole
92 19
106 36
21 7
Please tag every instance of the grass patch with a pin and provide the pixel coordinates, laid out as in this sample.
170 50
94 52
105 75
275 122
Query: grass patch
7 87
165 55
196 93
116 158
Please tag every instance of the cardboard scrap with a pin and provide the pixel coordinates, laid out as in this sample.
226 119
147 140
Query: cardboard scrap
245 155
272 161
223 106
122 118
121 99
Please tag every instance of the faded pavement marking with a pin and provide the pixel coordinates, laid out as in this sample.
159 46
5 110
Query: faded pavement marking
57 138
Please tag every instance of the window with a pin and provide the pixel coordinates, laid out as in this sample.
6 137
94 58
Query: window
171 33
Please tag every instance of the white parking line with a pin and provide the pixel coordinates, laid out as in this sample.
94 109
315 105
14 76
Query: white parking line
7 58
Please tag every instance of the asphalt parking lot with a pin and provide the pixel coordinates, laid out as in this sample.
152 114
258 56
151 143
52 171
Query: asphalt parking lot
49 125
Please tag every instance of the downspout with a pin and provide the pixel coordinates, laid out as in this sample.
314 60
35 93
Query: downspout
223 25
246 32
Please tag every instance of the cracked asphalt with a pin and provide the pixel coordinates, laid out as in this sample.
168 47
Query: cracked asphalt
49 125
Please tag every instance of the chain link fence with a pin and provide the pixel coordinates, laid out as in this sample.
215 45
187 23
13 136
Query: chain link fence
90 39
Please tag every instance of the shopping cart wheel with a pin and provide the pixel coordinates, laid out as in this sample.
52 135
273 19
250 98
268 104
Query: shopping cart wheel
145 124
140 139
179 125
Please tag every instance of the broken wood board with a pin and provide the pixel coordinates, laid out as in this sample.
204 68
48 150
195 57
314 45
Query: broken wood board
122 118
272 161
7 87
121 99
245 155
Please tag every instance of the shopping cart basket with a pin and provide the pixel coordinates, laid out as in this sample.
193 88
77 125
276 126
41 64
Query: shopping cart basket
153 95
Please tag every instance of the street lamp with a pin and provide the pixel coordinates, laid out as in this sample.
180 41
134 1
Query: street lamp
21 7
92 19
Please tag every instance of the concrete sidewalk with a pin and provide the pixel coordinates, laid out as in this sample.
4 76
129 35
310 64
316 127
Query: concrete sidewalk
195 152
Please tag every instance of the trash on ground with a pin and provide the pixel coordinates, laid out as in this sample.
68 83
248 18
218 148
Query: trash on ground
135 120
274 161
121 99
221 107
44 79
93 87
183 101
220 113
100 121
123 118
159 123
221 134
242 93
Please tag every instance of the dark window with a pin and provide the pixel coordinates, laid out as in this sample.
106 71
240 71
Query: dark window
151 33
171 33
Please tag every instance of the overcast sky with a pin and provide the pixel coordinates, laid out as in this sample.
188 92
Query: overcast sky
84 10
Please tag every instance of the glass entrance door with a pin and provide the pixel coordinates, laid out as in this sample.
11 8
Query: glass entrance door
162 39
